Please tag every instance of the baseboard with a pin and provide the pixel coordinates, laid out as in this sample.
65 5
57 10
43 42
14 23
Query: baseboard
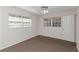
17 42
33 37
57 38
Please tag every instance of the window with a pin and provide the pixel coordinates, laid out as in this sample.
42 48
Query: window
52 22
56 21
19 21
27 22
15 21
47 22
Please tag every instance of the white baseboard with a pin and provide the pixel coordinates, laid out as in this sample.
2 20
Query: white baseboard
6 46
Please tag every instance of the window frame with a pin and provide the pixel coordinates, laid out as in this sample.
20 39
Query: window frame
17 21
54 22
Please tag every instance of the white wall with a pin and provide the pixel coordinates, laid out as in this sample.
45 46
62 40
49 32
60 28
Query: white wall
65 32
77 28
0 28
68 28
12 36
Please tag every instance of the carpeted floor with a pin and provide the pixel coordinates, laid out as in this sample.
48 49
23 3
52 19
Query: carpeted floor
42 44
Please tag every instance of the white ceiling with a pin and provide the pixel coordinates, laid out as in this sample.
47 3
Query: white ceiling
37 9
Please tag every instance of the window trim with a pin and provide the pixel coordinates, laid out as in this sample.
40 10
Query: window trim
54 22
20 23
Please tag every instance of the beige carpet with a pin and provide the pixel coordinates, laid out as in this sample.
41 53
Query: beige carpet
42 44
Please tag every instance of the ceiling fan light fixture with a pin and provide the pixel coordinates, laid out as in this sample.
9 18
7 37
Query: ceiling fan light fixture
44 9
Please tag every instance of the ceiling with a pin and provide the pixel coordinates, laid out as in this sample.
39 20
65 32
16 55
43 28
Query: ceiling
37 9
